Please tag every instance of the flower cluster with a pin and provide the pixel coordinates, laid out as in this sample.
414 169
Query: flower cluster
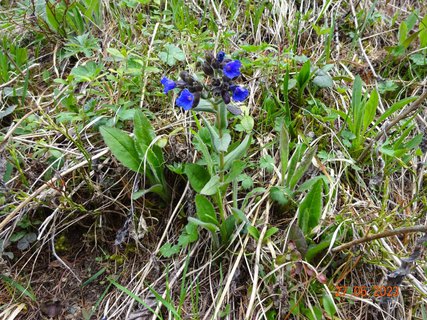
220 72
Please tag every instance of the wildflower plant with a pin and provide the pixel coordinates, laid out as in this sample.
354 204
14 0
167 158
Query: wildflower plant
214 90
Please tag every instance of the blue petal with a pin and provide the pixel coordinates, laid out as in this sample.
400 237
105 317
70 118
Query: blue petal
185 100
240 94
232 69
220 56
168 84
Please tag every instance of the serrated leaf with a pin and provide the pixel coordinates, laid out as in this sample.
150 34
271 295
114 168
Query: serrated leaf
122 147
171 54
168 250
267 163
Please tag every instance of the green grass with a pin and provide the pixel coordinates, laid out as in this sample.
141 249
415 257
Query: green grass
206 214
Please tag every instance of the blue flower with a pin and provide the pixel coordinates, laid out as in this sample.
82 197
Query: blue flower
232 69
185 100
240 93
168 84
220 56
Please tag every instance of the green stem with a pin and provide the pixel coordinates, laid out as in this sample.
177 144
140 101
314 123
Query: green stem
221 161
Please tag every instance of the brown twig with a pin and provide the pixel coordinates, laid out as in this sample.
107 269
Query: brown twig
384 234
387 128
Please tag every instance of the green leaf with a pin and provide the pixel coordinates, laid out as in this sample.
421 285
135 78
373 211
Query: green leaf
221 144
270 232
253 232
395 107
143 131
208 226
197 176
310 209
302 167
211 186
24 290
356 106
315 249
8 111
304 75
284 149
157 188
189 235
87 72
297 237
280 194
323 79
403 32
236 169
267 163
122 147
205 210
227 228
247 182
167 250
370 109
329 306
247 123
423 32
237 153
171 54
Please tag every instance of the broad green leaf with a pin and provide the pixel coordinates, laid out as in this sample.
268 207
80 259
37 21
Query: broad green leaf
254 232
211 186
221 144
403 32
304 75
189 235
270 232
205 210
247 123
8 111
197 176
329 306
208 226
227 228
280 194
356 106
237 153
122 147
323 79
144 132
370 109
423 32
310 209
236 169
315 249
297 237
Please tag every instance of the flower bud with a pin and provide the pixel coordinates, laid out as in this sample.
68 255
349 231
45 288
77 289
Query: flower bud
196 99
185 76
207 69
226 96
209 57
